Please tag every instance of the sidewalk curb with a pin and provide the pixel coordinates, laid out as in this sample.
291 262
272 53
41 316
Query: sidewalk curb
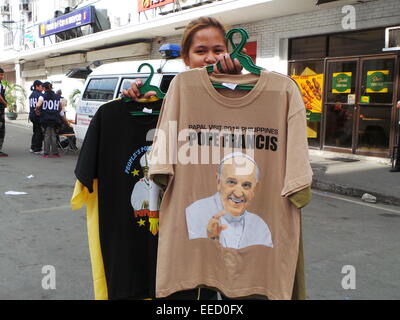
347 190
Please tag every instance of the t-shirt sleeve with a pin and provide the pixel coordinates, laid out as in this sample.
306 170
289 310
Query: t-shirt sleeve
298 174
301 198
162 157
86 167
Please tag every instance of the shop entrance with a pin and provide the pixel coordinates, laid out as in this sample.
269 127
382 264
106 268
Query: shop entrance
358 104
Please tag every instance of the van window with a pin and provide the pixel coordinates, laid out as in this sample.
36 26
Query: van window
126 83
100 89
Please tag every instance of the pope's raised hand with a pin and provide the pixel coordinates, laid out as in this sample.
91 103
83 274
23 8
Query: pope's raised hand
214 227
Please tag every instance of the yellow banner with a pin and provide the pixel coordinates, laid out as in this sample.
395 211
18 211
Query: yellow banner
311 87
311 132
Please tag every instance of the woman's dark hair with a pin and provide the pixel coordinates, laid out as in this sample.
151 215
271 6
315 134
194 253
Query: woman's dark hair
47 85
48 88
36 83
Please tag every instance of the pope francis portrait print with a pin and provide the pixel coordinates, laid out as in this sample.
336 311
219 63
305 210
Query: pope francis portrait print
223 216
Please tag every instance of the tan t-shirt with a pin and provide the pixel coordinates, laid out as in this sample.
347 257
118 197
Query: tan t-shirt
233 158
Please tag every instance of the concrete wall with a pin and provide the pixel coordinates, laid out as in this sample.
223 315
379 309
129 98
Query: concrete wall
272 34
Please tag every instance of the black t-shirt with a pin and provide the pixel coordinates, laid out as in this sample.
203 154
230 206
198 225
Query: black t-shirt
115 152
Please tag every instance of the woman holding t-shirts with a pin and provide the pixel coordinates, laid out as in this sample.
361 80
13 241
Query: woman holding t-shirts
50 110
204 43
37 137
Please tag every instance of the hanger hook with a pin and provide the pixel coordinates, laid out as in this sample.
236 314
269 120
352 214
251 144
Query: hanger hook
244 59
237 49
146 65
151 71
147 86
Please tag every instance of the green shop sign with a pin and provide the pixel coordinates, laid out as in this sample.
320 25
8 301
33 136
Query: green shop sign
341 82
377 81
313 116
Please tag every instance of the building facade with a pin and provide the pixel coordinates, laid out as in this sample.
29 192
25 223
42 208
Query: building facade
335 51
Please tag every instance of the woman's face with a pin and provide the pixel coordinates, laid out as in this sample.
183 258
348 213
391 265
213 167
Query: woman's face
207 45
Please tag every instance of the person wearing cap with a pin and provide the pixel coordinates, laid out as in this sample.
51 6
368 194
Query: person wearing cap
37 136
3 105
397 166
50 110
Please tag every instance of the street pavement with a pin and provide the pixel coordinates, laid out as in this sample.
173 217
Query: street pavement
39 229
343 233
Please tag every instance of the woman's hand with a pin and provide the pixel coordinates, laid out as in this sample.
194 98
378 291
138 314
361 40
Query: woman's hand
134 93
228 65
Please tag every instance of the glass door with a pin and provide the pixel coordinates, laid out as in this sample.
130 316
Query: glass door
375 105
358 105
340 104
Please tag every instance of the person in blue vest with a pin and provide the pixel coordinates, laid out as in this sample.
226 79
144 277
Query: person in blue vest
37 136
50 110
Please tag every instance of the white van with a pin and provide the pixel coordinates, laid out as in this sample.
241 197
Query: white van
106 83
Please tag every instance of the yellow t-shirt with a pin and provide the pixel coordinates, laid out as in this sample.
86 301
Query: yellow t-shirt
81 197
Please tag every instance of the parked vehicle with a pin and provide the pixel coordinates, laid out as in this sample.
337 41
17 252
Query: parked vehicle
106 83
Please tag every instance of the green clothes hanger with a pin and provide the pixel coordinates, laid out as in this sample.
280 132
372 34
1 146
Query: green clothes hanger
141 113
146 87
246 62
145 112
